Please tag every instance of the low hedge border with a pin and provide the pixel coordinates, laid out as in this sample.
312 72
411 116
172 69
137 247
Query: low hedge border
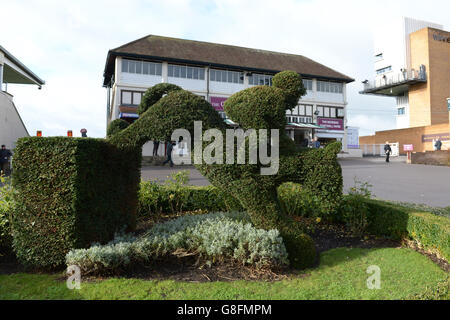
430 231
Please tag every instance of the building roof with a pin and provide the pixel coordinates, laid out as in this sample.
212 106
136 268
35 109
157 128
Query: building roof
16 72
218 55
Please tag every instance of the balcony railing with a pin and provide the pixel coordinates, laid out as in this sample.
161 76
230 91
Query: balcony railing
405 77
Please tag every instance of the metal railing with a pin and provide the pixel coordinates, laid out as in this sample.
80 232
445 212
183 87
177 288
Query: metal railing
396 78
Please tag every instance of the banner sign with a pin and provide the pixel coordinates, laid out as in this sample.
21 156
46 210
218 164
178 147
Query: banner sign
217 103
352 138
331 123
431 137
408 147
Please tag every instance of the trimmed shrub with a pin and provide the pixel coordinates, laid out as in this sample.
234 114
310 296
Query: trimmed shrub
429 230
155 198
116 126
211 237
7 206
153 94
70 193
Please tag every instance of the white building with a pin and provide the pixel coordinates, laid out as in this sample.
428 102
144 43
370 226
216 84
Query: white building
15 72
215 72
392 61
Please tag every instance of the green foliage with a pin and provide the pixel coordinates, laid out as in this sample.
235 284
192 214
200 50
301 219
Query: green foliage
153 94
430 231
156 198
211 237
7 206
70 192
291 84
116 126
354 213
178 109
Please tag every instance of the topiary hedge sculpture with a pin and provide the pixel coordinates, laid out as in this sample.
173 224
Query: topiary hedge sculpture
165 108
259 107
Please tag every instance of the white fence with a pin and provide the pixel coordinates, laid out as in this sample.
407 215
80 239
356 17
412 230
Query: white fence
378 149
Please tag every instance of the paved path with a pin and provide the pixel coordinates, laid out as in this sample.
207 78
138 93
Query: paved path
391 181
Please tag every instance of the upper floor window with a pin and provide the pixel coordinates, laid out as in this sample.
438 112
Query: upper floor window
178 71
326 86
141 67
260 79
384 70
401 111
130 98
226 76
330 112
307 83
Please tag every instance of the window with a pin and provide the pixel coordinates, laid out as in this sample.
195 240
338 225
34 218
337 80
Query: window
326 112
186 72
326 86
307 83
226 76
401 111
141 67
320 111
131 98
384 70
260 79
309 110
340 112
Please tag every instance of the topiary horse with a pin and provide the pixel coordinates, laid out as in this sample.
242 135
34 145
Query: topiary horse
167 107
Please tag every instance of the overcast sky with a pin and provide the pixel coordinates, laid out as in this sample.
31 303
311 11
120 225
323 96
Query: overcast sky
66 43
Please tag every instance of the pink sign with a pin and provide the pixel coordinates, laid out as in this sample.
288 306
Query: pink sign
217 103
408 147
331 123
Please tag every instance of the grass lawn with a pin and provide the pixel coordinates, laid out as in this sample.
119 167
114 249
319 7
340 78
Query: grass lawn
341 275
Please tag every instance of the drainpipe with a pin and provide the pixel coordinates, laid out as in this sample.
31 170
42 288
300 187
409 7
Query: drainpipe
207 83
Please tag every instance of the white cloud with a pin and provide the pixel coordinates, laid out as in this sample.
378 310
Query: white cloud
66 42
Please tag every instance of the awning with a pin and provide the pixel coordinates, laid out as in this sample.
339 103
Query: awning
305 125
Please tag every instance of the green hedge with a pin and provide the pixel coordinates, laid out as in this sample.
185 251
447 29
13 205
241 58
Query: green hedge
155 198
70 192
116 126
397 222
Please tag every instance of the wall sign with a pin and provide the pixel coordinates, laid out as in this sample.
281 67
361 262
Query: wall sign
331 123
431 137
352 138
217 103
408 147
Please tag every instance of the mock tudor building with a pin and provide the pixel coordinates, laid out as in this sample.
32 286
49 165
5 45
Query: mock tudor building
215 72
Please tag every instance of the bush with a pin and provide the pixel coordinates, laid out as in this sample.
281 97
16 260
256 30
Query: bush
154 94
70 193
211 237
7 205
175 196
354 213
430 231
116 126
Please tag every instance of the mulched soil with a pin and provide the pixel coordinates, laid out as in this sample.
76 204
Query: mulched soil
326 237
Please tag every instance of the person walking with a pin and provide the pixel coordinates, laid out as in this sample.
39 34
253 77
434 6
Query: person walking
387 150
5 154
316 143
438 144
155 148
169 153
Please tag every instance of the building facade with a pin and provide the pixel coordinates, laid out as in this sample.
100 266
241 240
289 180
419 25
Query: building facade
12 71
418 77
215 72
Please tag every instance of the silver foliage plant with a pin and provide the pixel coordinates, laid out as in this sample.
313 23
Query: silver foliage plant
211 237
